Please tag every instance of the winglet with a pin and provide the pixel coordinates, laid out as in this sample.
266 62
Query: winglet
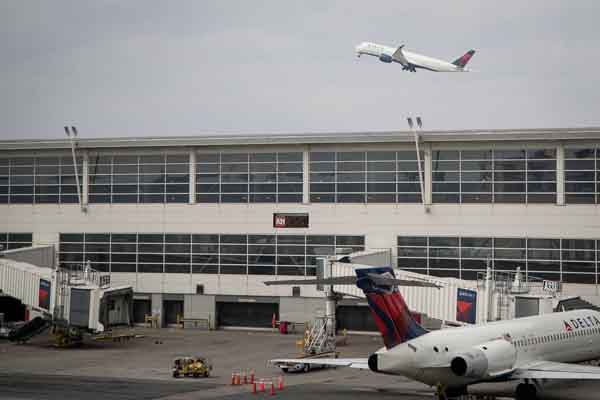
462 61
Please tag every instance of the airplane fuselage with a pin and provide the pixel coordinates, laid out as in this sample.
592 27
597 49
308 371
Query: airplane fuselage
384 53
501 347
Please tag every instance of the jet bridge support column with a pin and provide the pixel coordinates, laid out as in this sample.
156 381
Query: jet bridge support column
330 317
330 297
326 339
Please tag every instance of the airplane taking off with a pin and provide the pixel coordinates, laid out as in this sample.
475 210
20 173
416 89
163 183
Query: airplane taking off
412 61
528 349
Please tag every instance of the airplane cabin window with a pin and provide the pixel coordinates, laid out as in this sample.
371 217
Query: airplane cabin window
435 349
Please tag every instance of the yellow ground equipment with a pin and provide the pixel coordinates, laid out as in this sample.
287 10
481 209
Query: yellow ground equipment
191 367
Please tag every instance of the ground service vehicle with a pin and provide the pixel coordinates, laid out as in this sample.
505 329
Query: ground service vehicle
191 367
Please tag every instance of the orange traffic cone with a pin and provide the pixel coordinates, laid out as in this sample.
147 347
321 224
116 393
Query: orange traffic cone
245 378
251 376
232 378
272 388
280 383
261 386
253 387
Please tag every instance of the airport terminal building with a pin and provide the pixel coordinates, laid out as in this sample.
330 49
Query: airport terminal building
215 216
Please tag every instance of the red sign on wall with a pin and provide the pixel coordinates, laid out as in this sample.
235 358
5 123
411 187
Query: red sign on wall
290 220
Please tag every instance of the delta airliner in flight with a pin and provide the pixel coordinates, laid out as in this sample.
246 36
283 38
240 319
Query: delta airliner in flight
527 350
411 61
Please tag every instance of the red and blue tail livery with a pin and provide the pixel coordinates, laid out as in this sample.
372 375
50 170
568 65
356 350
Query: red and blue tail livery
462 61
391 314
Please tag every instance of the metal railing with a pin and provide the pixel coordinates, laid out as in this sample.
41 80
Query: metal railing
321 337
84 273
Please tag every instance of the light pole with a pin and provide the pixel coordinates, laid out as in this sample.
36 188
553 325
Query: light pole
72 135
416 135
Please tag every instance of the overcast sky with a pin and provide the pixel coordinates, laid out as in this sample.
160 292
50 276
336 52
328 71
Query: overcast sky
146 68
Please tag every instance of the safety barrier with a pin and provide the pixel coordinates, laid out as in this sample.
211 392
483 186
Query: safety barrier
151 320
260 385
203 323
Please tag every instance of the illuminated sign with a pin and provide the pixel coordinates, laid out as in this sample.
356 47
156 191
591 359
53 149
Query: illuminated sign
290 220
44 294
466 306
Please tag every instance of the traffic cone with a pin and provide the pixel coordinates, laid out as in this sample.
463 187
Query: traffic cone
261 386
251 376
272 388
238 380
253 387
280 383
232 378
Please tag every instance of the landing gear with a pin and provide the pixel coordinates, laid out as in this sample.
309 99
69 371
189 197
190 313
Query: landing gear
526 391
440 392
444 393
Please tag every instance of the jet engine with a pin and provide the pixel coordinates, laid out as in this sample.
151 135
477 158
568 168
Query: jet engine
485 360
386 58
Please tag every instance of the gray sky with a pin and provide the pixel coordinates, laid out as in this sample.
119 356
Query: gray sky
145 68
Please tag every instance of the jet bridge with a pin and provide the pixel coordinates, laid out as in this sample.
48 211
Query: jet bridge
72 301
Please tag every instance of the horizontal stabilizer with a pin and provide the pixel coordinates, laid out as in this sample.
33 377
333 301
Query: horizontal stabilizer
360 363
351 280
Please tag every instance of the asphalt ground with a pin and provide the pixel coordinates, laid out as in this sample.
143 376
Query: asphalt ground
140 369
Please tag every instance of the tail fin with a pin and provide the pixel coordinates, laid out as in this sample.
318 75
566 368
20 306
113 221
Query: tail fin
389 310
462 61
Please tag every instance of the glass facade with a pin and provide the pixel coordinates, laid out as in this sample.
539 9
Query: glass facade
41 180
567 260
202 253
582 176
158 178
365 177
522 176
10 241
494 176
249 177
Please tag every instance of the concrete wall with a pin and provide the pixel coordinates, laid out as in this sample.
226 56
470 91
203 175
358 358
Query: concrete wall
300 310
157 307
200 306
380 223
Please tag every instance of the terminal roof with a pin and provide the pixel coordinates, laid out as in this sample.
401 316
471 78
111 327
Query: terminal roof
516 135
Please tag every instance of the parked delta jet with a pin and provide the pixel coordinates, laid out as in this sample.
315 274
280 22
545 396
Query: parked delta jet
412 61
529 349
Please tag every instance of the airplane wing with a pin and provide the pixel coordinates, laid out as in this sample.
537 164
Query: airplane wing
399 57
359 363
554 370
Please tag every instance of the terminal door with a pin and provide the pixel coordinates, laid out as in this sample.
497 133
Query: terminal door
141 308
255 315
171 309
355 318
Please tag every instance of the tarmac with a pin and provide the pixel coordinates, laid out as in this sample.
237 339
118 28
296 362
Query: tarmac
140 369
